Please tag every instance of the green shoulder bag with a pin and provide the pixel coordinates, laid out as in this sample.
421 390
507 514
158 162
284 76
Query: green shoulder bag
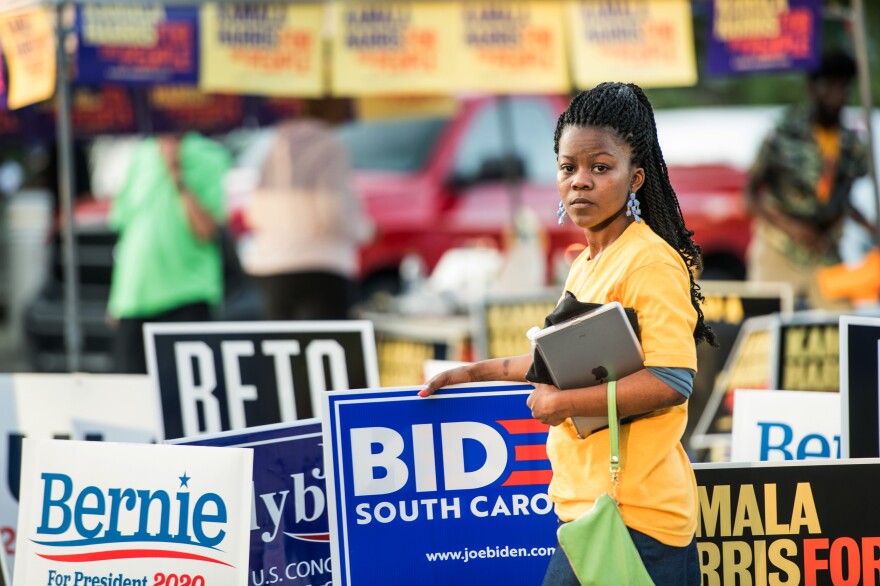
598 544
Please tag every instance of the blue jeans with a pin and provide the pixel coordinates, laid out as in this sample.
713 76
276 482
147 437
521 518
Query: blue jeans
667 565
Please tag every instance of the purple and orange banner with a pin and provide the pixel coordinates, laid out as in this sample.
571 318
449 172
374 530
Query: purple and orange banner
137 44
177 107
750 37
2 84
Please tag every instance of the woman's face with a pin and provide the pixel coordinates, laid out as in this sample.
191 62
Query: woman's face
595 175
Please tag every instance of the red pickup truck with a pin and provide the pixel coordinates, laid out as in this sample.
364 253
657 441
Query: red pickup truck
431 184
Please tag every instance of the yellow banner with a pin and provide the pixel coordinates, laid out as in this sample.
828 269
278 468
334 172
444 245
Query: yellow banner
512 47
263 49
648 42
394 48
28 41
385 107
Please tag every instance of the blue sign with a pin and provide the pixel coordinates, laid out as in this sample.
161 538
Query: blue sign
747 37
451 489
290 542
137 44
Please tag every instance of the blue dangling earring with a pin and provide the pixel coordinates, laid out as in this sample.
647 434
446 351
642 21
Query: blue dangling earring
560 214
633 209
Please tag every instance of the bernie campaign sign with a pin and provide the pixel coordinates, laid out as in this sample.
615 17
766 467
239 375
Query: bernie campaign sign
289 540
105 514
90 407
220 376
450 489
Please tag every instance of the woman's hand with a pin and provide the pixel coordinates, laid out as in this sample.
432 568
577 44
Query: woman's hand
545 403
455 376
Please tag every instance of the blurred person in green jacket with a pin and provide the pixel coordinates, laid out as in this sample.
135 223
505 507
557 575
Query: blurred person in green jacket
167 264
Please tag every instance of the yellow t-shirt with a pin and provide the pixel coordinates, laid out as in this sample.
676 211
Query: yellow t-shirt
658 490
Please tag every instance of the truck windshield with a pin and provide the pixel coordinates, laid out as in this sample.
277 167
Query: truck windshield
400 146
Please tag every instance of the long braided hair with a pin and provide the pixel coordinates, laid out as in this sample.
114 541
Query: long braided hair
625 108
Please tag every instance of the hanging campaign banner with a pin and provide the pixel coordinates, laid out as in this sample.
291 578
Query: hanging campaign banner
747 37
3 105
102 110
137 44
219 376
290 540
383 107
785 425
93 407
395 47
788 523
648 43
28 41
860 386
95 110
178 108
465 470
262 49
114 514
512 47
11 125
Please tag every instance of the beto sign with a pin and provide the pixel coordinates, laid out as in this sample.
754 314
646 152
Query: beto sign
113 514
215 377
465 470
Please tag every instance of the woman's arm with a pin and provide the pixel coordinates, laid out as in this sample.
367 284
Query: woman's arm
640 392
513 368
200 221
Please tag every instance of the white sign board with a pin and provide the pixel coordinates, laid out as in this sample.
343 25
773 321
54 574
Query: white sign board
785 425
434 367
118 408
105 513
5 580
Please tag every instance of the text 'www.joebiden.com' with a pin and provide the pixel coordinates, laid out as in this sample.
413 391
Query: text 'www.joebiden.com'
466 555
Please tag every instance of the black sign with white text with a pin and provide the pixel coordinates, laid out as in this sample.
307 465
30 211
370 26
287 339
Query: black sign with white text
215 377
792 523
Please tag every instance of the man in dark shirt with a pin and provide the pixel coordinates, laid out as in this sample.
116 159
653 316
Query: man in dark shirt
799 186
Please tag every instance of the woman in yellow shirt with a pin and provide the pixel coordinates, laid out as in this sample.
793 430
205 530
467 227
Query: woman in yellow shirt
613 183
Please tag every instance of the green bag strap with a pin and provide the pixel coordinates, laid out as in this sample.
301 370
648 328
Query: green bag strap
614 436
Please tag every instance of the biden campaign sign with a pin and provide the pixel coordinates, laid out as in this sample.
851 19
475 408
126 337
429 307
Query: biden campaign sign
289 539
450 489
105 514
